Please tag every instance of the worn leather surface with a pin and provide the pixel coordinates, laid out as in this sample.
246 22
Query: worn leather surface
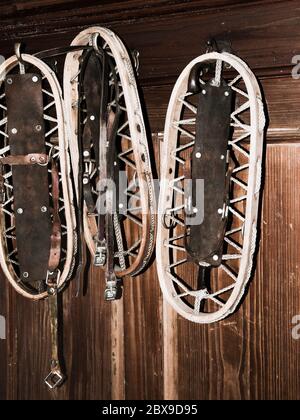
31 186
92 93
212 135
55 240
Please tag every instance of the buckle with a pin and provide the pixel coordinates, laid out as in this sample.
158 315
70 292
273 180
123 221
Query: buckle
113 291
100 256
52 280
54 379
110 293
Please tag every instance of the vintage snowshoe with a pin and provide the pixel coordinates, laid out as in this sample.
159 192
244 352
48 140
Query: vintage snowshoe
110 156
37 242
211 178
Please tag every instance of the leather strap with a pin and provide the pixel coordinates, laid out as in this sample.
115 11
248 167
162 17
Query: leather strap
30 159
101 132
92 91
38 236
26 130
55 377
14 160
209 163
55 247
55 52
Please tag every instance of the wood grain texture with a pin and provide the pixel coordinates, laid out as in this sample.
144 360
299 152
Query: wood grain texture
171 337
252 355
86 327
143 326
160 32
117 351
143 337
281 96
3 343
138 350
47 12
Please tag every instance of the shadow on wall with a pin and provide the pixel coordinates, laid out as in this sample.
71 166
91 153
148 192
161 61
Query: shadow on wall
2 328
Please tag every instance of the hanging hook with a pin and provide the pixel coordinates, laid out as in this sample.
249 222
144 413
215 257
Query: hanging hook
18 53
94 43
212 46
136 60
220 46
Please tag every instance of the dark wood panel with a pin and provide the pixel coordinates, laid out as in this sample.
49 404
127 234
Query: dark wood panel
87 329
76 12
281 97
143 338
167 43
87 346
252 355
143 331
3 343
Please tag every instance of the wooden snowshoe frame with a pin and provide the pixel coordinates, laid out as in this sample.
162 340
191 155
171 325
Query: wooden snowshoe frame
139 222
56 148
200 292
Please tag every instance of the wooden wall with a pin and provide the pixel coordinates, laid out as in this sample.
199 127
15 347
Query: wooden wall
138 348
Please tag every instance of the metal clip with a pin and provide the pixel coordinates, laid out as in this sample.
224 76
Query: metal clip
111 292
136 60
54 379
100 256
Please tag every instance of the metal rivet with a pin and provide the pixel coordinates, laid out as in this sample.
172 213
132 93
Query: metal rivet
38 127
14 131
222 157
9 81
204 92
52 290
220 211
35 79
215 257
226 93
195 210
42 159
86 153
85 181
25 275
121 206
92 117
20 211
198 155
44 209
115 163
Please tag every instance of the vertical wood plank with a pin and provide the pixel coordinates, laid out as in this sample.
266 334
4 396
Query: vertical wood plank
252 355
3 342
144 329
143 337
117 350
170 343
